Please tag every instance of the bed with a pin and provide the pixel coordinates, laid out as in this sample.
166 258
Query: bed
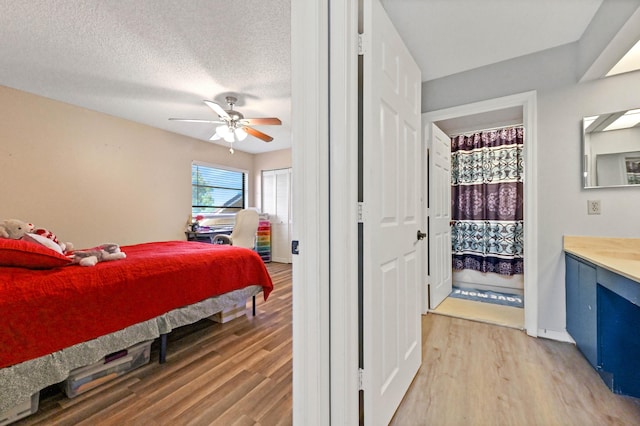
68 316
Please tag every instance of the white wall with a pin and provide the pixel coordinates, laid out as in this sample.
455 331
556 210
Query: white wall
93 178
549 69
613 26
562 201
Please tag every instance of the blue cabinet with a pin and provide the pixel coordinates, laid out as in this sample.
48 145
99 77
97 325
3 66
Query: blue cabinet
619 332
603 317
582 310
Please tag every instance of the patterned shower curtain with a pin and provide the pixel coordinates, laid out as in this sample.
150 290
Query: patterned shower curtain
486 201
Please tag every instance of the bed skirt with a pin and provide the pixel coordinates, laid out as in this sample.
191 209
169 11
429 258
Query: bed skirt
20 381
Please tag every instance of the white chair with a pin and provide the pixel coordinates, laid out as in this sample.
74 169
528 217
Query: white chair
244 230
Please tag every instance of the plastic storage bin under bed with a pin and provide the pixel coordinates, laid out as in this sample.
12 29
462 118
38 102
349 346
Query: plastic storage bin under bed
113 365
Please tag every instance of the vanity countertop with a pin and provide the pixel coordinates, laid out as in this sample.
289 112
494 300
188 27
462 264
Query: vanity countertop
619 255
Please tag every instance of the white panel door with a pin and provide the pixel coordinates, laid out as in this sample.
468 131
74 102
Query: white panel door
392 204
439 216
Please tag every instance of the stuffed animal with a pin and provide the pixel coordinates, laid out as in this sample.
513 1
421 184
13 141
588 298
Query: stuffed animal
14 228
102 253
64 247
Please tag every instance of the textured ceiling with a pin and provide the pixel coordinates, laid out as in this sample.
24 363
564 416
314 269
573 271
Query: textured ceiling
149 60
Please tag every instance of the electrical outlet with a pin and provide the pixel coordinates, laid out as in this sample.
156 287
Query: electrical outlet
593 207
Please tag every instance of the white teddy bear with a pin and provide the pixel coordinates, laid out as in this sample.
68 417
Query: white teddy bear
14 229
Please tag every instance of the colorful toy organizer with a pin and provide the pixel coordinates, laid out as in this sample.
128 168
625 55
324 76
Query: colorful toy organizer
263 243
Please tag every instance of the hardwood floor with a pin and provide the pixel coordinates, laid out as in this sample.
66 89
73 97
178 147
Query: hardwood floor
480 374
506 316
238 373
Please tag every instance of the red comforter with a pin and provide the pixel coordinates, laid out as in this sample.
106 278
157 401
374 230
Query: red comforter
43 311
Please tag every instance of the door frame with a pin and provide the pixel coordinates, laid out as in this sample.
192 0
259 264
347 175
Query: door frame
324 60
343 208
325 352
310 192
528 102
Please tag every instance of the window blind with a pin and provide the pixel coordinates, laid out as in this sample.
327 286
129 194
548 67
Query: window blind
217 190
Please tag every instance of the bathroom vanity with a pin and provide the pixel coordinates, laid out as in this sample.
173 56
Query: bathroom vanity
603 307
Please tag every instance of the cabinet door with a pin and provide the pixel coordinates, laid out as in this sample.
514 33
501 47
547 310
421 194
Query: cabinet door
589 313
619 335
581 307
572 284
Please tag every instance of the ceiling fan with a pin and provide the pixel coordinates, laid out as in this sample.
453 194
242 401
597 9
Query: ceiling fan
233 125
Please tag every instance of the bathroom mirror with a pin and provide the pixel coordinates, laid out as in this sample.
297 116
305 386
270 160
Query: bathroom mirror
611 149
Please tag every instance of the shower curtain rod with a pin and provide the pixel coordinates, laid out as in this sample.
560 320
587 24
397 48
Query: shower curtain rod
486 130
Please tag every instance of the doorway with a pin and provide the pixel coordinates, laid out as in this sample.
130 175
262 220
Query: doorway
486 223
499 112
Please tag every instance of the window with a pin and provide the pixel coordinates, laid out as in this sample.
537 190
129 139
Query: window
215 190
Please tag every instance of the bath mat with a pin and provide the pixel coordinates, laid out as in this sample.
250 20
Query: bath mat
486 296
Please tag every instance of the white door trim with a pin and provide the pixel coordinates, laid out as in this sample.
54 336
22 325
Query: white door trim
310 160
343 171
528 101
325 376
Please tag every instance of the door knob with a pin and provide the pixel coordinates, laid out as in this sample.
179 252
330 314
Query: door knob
421 235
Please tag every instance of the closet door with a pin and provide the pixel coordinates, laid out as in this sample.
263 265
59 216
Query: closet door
276 200
269 192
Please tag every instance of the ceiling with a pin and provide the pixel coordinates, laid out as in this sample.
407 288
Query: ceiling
149 60
451 36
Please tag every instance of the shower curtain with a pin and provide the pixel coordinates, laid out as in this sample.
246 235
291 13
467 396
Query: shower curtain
487 201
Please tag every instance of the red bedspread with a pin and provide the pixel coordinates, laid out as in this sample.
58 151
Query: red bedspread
45 311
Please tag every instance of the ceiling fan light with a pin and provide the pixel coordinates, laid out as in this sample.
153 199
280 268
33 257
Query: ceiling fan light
232 126
223 131
241 134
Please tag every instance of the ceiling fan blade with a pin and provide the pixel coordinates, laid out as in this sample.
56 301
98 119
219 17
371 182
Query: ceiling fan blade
215 137
258 134
262 121
217 109
195 120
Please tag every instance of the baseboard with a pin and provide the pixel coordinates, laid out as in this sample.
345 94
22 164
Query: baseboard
561 336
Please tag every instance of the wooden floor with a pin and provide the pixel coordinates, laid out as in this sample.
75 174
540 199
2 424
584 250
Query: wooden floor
239 373
479 374
506 316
